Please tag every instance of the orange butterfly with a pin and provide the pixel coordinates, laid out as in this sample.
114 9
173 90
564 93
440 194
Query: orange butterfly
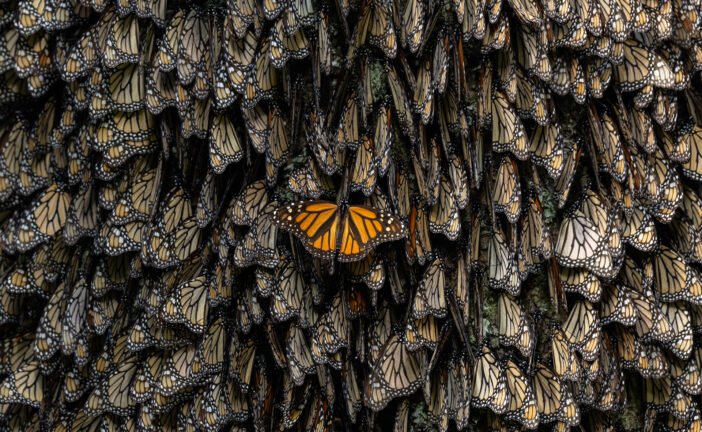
347 232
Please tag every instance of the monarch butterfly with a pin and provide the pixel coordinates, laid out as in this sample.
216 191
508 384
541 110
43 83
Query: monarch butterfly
112 394
506 80
207 203
501 264
352 392
25 385
683 239
224 143
652 323
489 388
329 156
661 393
670 193
423 98
581 281
674 279
241 16
191 44
496 36
413 25
262 79
444 217
118 39
680 150
531 49
440 387
215 404
686 374
83 217
422 333
474 22
154 9
402 105
259 244
277 148
642 66
582 329
348 130
565 363
459 180
241 359
617 306
188 304
290 405
49 331
693 168
285 46
682 343
395 373
581 244
553 400
370 270
536 239
326 233
430 297
125 90
380 330
146 332
522 403
73 322
515 327
249 204
507 190
323 45
298 354
640 230
546 147
332 330
691 422
310 182
428 174
576 75
382 29
289 291
507 129
212 350
363 174
402 416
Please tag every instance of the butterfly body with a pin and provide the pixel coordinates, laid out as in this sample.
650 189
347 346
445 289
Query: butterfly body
347 233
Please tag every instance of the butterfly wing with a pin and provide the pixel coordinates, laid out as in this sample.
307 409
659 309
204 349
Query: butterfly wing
316 223
365 227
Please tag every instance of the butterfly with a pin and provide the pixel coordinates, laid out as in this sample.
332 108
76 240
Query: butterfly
489 388
347 233
582 329
522 402
642 66
395 373
581 243
553 399
515 327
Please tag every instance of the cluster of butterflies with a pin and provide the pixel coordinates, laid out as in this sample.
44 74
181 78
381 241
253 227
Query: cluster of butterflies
324 215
